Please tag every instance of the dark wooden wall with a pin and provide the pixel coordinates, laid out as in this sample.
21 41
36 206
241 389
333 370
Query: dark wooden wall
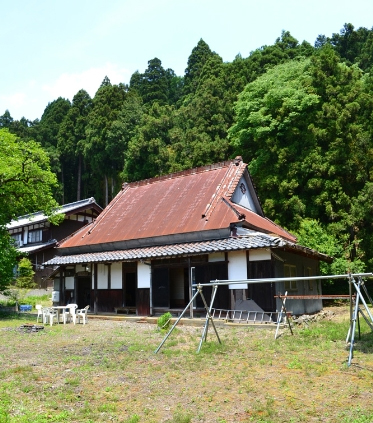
107 299
262 293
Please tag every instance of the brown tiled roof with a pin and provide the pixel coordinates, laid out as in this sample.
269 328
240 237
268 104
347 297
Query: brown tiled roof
187 202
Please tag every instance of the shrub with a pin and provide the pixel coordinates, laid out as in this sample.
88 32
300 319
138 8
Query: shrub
164 320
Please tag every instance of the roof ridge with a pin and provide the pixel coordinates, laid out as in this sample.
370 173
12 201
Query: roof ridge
237 168
182 173
240 169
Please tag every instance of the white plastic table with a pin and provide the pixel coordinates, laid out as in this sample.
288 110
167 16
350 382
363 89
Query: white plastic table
58 310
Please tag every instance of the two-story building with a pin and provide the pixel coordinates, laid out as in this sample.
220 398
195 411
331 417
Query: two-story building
36 237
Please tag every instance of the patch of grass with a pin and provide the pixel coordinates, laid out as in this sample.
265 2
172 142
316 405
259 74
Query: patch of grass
107 371
133 419
181 417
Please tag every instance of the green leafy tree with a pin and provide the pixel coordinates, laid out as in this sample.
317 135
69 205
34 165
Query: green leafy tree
303 125
8 258
313 234
23 282
352 44
25 277
23 128
150 151
125 128
6 120
154 83
46 132
26 185
157 84
26 180
273 115
196 61
107 104
202 122
71 143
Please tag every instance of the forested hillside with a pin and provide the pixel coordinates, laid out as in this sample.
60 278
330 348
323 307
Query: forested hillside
301 115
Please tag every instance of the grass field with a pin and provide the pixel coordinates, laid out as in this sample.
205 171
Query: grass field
106 371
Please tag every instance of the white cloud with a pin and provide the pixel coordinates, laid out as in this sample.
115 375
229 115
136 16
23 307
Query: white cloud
31 100
68 84
14 100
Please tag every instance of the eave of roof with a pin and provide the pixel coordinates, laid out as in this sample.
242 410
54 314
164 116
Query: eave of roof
253 241
67 209
35 248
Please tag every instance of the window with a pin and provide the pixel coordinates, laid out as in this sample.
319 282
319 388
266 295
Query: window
290 271
34 236
18 239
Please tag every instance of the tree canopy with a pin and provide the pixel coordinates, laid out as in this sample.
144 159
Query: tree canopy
26 185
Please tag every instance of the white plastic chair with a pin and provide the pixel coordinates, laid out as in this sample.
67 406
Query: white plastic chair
82 313
45 311
49 313
39 308
69 313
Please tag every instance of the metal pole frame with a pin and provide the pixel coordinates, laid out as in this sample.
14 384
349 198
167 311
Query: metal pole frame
271 280
279 318
355 316
177 321
208 317
217 283
353 324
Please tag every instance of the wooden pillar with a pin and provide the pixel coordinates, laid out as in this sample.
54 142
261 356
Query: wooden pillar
190 288
95 297
123 285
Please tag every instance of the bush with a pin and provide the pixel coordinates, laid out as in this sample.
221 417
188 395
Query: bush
33 300
7 303
164 321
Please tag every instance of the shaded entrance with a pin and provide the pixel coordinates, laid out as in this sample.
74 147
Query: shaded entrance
83 291
170 287
130 287
262 293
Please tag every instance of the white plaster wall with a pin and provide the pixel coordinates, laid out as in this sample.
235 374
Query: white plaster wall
220 256
102 276
243 198
116 276
237 268
143 275
259 255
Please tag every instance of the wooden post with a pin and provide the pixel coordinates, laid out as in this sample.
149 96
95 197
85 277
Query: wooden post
95 299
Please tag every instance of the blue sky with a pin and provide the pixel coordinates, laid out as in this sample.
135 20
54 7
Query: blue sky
53 48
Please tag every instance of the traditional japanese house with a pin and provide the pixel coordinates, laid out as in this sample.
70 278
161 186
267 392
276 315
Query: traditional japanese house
36 237
159 236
